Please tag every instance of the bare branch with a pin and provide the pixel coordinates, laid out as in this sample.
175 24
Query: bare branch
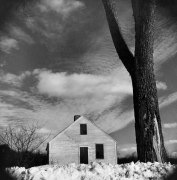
23 138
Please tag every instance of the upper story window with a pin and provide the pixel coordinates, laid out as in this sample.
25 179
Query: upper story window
83 129
99 151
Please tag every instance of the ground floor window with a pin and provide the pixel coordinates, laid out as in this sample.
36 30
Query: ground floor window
99 151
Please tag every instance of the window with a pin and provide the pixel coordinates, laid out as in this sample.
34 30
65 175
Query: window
83 129
99 151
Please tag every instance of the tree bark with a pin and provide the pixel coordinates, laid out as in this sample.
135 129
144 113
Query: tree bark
149 138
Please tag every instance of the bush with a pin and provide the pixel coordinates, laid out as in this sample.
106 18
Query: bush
130 158
9 158
127 159
172 160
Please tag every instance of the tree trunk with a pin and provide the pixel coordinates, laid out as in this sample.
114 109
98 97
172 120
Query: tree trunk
149 138
121 47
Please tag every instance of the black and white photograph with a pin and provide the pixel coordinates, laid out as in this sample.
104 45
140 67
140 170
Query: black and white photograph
88 90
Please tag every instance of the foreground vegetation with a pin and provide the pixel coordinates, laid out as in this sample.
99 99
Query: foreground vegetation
95 171
133 158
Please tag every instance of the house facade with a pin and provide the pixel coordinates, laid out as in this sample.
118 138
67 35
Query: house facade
82 142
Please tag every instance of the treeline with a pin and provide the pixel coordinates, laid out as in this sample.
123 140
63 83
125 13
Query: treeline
10 158
133 158
20 146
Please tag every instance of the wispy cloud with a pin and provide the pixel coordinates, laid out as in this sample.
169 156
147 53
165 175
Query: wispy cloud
5 109
161 85
89 95
127 150
174 154
7 44
85 94
12 79
165 43
63 7
98 97
167 100
170 125
43 131
19 34
18 107
114 119
172 141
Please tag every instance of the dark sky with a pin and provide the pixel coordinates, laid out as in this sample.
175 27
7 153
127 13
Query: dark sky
58 60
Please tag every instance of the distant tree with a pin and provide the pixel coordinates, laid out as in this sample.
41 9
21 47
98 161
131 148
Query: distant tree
149 138
25 142
22 138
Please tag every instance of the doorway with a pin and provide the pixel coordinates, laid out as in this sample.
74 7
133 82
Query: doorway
83 155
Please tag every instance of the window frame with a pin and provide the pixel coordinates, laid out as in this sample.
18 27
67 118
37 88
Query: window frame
83 132
102 156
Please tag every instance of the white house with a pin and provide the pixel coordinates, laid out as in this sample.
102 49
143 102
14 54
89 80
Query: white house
82 142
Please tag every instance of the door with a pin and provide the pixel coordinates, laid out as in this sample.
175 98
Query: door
83 155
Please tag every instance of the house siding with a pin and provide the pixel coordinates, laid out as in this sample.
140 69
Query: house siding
65 148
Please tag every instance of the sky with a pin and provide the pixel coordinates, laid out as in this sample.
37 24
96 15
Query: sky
57 59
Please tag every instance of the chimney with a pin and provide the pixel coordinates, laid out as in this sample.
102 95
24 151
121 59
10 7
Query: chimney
76 117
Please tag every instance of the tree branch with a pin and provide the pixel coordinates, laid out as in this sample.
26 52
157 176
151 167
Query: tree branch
121 47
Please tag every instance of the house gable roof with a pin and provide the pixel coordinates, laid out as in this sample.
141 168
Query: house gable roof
79 119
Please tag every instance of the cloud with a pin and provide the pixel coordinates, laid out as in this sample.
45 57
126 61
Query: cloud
19 107
172 141
61 35
43 131
113 120
170 125
174 154
8 93
7 44
2 64
12 79
5 109
127 150
98 97
23 108
161 85
78 85
64 7
89 95
171 146
18 33
167 100
165 44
